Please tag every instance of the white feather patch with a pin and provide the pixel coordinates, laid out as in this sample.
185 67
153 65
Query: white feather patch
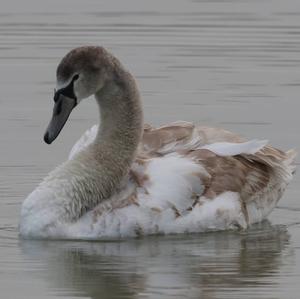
173 180
232 149
86 139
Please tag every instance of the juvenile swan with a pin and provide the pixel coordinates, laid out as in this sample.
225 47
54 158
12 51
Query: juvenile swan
127 179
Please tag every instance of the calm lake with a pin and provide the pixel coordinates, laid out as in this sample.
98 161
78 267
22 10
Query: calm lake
228 63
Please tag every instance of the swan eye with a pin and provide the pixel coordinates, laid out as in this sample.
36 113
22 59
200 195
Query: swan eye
75 77
67 91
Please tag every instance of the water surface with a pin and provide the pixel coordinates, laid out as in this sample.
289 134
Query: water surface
234 64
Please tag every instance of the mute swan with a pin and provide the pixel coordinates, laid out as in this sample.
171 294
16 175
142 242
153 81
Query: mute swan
127 179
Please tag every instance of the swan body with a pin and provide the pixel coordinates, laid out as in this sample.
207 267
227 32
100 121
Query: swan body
127 179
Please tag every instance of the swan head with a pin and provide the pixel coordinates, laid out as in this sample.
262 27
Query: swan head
84 71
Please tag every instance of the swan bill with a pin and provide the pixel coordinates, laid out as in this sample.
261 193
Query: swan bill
62 108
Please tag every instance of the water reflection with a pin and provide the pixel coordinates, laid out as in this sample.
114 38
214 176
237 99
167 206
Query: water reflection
196 266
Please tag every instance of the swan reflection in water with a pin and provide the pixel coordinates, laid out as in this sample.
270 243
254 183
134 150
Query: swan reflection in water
195 266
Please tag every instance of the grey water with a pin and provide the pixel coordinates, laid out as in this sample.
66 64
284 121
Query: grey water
226 63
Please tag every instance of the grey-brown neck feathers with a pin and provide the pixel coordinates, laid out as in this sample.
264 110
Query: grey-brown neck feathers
101 168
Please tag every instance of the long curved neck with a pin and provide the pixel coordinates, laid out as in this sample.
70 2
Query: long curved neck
107 160
121 118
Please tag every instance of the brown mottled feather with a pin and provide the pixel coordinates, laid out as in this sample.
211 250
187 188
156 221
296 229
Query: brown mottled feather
183 135
154 139
249 175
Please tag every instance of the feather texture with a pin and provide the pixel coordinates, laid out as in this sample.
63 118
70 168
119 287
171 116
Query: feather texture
185 179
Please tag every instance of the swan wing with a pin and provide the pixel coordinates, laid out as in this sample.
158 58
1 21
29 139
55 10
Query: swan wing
254 170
